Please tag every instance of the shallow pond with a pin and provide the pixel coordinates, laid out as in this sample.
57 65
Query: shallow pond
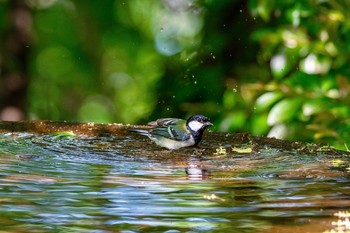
70 183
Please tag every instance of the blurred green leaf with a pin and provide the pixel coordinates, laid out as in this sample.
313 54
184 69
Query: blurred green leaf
313 106
96 109
266 100
229 99
262 8
258 125
284 111
233 121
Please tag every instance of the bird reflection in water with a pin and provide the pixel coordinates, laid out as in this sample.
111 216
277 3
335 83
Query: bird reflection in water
195 169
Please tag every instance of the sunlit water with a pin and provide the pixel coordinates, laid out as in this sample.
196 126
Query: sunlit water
62 183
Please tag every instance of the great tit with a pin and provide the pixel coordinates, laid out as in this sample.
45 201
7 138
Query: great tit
174 133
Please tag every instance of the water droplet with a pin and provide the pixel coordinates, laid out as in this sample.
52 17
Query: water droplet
173 97
234 90
213 57
161 29
195 82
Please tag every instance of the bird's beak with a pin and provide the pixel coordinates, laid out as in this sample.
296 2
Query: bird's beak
208 123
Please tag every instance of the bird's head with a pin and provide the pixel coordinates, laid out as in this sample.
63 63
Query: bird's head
198 123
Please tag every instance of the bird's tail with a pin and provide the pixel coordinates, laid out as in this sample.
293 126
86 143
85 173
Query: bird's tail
140 131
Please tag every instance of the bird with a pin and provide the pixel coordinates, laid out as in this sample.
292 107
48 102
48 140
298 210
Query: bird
175 133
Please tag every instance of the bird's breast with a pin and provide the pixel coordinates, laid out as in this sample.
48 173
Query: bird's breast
173 144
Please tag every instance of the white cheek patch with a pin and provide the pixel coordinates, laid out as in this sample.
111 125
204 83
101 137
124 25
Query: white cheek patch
195 125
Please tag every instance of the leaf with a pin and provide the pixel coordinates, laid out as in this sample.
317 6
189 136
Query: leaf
263 8
266 100
233 121
313 106
229 99
64 133
284 111
258 124
242 150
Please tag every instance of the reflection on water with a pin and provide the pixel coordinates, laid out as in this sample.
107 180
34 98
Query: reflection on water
63 183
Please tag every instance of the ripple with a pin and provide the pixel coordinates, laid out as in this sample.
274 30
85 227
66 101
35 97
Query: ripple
58 182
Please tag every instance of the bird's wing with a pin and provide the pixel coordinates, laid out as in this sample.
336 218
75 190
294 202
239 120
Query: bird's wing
166 121
171 128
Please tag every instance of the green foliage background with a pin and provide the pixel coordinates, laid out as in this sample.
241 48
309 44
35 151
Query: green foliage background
267 67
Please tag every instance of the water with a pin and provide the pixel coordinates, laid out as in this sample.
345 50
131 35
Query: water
65 183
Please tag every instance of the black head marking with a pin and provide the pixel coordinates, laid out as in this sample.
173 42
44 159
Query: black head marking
197 134
199 118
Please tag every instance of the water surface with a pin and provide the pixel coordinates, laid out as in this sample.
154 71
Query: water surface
68 183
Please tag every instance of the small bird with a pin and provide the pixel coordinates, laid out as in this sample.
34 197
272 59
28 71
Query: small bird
174 133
